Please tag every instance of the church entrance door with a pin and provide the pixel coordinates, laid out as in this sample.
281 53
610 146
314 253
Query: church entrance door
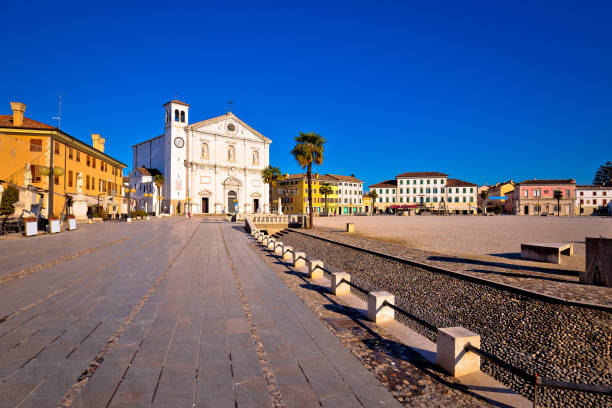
231 201
256 205
204 205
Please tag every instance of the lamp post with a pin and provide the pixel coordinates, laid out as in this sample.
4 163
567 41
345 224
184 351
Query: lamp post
147 196
51 172
159 200
129 192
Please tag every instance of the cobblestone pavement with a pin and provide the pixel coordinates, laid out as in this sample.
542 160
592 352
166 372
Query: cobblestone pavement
556 341
409 377
558 283
163 313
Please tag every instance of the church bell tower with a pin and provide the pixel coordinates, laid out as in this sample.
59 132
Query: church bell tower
176 118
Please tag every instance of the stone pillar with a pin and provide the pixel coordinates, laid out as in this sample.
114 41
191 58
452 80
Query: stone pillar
271 243
377 312
451 354
287 253
315 269
350 227
278 250
299 259
338 287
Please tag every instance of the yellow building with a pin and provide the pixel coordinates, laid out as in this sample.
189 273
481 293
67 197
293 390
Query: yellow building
292 189
28 149
367 204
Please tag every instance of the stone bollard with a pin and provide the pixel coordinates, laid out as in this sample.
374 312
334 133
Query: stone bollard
299 259
278 250
377 312
338 287
271 243
265 240
451 354
315 269
260 238
350 227
287 253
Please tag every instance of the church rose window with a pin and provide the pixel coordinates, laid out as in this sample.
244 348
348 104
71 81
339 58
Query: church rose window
231 127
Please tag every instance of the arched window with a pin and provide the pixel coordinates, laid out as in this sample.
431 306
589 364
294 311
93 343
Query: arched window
167 116
205 151
231 153
255 158
176 115
182 116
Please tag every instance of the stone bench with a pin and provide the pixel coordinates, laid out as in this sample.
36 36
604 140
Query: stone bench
546 251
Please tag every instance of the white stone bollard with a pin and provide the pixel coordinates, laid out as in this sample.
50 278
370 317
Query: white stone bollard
377 312
315 269
265 240
350 227
299 259
278 250
260 238
338 287
271 244
287 253
451 354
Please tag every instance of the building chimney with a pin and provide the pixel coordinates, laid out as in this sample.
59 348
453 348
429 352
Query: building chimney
97 142
18 111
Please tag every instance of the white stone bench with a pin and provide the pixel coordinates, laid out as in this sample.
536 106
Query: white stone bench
546 251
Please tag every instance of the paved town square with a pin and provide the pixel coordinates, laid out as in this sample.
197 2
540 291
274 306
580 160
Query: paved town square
170 313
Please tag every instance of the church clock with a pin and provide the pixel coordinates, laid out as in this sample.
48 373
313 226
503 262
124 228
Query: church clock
179 142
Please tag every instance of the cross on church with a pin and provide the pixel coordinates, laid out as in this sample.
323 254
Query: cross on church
230 103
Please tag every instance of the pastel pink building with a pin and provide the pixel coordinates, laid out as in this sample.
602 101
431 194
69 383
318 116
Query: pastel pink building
535 197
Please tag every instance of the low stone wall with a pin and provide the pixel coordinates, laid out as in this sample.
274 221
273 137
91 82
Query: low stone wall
567 343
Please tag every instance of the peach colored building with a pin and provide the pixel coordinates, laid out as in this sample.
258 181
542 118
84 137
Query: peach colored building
535 197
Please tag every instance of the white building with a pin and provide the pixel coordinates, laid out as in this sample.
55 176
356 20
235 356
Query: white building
350 194
146 195
590 199
213 166
432 190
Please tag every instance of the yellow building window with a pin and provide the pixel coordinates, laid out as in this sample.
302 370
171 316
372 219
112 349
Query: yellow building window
56 148
70 174
36 145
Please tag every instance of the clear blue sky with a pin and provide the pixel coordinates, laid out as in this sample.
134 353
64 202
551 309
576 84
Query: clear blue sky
483 91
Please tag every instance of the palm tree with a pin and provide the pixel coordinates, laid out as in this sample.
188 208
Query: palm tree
484 194
158 180
558 195
308 150
326 189
373 195
269 175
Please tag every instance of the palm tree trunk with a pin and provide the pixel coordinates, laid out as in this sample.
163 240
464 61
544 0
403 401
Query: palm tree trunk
309 174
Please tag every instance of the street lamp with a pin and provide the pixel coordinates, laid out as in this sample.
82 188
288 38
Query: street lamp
147 196
51 172
129 192
159 200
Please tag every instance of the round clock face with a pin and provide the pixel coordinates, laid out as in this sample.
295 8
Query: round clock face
179 142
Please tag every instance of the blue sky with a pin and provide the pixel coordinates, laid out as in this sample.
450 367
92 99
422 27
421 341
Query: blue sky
483 91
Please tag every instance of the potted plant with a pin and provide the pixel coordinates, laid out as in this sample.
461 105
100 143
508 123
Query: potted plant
31 226
54 225
71 222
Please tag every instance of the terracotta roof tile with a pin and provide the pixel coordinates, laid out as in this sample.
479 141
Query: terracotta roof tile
386 183
422 174
176 101
344 178
546 182
7 121
451 182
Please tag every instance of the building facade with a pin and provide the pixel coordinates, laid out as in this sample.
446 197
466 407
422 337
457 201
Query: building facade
147 196
502 189
350 194
213 166
593 199
431 191
27 149
292 191
536 197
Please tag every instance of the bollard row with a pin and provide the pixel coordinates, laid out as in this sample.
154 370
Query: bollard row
452 354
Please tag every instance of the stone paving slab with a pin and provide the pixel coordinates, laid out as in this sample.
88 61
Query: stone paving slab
178 313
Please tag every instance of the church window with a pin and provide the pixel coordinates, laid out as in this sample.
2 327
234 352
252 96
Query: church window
231 127
182 116
231 153
167 116
205 151
176 115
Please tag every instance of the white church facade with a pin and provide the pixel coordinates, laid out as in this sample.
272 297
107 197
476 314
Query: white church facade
209 167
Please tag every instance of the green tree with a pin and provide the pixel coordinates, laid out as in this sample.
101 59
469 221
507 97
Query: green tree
373 195
603 176
9 197
326 189
484 194
158 180
558 195
308 150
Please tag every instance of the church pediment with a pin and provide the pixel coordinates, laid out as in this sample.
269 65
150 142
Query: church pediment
232 182
205 193
256 195
231 126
